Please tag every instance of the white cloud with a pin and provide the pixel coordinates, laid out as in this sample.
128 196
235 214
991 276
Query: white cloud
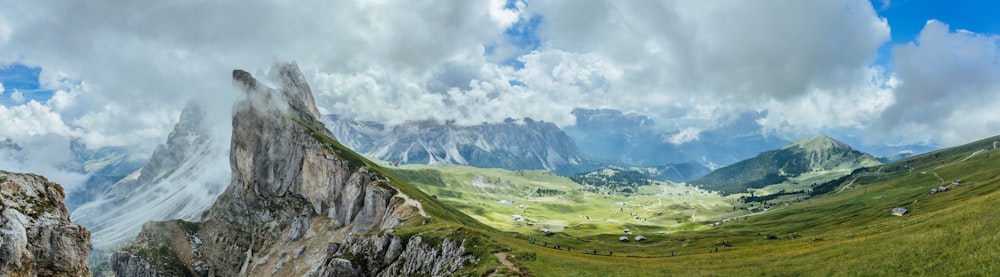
123 70
1 88
31 119
685 135
17 96
503 16
949 86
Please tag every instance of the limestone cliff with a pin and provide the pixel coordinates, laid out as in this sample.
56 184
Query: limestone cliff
36 235
294 193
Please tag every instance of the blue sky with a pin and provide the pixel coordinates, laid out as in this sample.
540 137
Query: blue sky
908 17
23 78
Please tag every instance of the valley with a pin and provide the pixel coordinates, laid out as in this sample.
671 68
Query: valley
943 233
530 201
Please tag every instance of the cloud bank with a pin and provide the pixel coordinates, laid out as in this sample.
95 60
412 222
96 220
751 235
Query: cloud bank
121 70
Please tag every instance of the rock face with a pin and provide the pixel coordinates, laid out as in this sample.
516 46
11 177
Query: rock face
36 235
388 255
294 190
513 144
182 179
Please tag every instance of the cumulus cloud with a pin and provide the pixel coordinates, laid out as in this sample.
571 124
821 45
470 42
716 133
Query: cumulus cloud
949 86
1 88
122 70
17 96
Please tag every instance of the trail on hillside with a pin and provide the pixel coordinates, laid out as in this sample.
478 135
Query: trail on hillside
849 184
974 154
502 256
935 174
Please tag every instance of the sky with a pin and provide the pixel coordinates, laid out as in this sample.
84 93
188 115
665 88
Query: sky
117 73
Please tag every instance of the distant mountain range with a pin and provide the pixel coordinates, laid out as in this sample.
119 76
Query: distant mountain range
512 144
98 167
815 154
636 140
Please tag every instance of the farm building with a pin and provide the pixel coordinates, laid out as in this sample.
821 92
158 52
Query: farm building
623 239
640 238
899 211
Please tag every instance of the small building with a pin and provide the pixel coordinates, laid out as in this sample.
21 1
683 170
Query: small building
933 190
640 238
942 188
899 211
517 217
956 182
623 239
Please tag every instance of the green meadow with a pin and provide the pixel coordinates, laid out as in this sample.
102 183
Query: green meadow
847 232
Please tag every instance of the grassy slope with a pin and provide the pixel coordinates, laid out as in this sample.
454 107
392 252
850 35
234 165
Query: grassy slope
570 211
846 233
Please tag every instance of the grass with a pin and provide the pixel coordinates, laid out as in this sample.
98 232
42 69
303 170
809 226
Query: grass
841 233
493 196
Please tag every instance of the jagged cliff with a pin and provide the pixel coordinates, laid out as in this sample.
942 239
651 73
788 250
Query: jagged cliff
298 203
36 235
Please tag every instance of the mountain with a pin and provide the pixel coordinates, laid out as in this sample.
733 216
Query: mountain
299 203
512 144
183 177
636 140
37 237
681 172
105 166
811 155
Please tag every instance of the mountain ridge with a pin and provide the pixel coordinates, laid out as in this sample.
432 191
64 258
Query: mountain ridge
512 144
810 155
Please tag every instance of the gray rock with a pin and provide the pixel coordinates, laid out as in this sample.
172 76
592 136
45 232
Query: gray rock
37 237
299 227
298 252
125 264
386 255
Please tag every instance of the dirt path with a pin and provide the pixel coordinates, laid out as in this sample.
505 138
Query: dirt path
850 184
407 201
502 256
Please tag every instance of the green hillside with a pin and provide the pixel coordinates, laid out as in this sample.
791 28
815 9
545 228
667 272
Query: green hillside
848 231
545 201
816 160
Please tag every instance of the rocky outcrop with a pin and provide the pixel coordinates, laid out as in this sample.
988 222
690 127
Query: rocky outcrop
126 264
293 190
36 235
387 255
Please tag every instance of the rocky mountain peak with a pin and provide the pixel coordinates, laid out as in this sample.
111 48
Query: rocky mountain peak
36 235
291 90
512 144
293 189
